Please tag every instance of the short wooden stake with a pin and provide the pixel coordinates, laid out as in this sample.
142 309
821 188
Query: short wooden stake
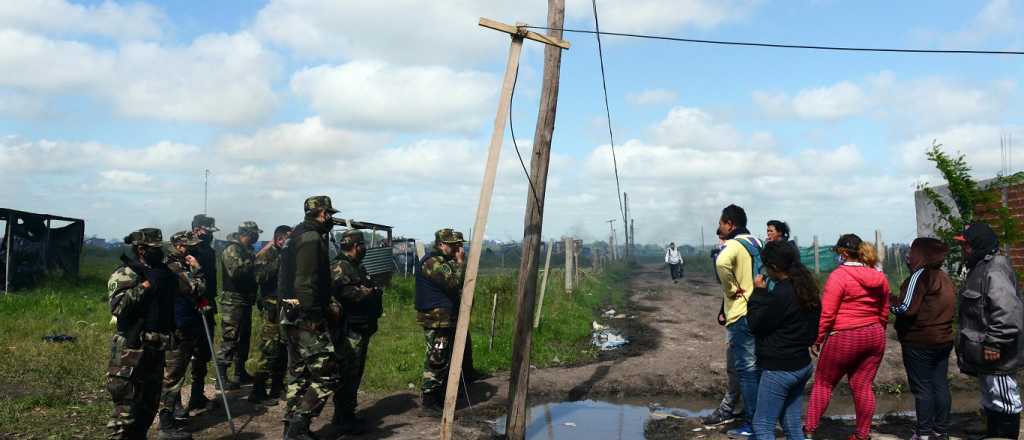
543 285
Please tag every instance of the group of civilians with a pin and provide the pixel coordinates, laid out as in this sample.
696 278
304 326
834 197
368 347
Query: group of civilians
778 320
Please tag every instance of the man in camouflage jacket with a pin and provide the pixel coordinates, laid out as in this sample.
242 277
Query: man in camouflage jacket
203 227
191 344
238 273
438 294
271 356
361 302
141 297
304 283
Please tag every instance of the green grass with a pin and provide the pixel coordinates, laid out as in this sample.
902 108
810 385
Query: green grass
56 390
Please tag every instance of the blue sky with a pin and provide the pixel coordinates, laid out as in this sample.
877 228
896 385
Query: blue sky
110 111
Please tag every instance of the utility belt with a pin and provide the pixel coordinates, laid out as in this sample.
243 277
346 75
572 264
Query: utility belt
436 318
148 341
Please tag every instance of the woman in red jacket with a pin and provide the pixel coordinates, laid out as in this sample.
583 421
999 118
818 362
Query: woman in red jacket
851 334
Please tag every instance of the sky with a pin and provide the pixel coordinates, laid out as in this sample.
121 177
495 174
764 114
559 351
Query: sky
110 111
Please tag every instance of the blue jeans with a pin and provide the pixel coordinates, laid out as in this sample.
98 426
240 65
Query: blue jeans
781 393
744 363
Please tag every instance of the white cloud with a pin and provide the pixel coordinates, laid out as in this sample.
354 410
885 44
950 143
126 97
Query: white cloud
109 18
309 137
446 32
23 156
218 78
979 142
844 159
38 64
412 98
123 179
996 18
838 101
694 128
661 15
652 97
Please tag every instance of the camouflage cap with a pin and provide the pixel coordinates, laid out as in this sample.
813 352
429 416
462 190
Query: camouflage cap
249 227
351 237
458 235
319 202
184 238
152 237
447 236
206 222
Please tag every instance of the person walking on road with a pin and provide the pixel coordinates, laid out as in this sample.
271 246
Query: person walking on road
991 318
674 262
784 319
851 334
924 325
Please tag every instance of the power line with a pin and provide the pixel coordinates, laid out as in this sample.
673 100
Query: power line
511 128
608 112
778 45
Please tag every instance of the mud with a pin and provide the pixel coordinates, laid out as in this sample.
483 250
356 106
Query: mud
675 358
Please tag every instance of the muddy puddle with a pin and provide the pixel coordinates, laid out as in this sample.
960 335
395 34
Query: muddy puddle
627 419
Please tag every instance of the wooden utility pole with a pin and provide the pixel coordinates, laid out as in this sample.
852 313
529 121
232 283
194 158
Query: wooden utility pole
568 243
817 259
543 284
518 33
611 238
625 223
632 237
879 247
526 298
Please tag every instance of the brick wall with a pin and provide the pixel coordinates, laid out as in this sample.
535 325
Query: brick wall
1013 197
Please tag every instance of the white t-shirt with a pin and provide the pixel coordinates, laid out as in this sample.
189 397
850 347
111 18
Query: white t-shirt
672 256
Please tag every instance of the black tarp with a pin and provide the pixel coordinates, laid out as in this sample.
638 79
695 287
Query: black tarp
36 246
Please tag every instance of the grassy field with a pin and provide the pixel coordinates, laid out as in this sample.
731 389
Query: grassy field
56 390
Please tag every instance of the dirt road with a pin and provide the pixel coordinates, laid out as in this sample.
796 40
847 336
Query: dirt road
676 357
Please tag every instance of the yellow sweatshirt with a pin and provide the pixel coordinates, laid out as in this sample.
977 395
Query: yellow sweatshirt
735 269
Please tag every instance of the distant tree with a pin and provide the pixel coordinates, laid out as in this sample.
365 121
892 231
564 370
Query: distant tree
970 199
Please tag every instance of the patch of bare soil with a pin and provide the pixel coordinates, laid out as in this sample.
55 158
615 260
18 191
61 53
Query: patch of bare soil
676 351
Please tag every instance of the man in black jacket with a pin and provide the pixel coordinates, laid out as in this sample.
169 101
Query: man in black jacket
203 227
990 345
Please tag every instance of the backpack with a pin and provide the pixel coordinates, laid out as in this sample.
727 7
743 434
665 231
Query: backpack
753 247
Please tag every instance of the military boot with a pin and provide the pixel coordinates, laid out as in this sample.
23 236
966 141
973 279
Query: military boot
431 406
297 428
259 389
242 376
276 387
197 399
348 422
228 384
169 430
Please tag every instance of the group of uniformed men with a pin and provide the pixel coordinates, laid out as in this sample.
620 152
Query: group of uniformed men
317 319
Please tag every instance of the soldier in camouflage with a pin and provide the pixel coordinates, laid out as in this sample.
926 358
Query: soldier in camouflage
238 269
191 345
304 290
142 292
438 293
271 359
203 227
362 304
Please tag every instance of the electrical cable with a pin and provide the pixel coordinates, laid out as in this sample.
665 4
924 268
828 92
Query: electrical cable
782 46
511 128
608 113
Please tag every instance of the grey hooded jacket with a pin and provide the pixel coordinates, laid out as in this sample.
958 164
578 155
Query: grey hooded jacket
991 314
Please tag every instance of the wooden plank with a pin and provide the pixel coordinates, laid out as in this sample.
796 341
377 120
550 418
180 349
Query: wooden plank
519 381
543 285
567 244
479 227
522 32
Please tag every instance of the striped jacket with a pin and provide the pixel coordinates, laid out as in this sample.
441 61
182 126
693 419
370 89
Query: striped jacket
926 304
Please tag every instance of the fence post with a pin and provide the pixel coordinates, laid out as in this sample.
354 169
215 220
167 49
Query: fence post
817 259
543 285
569 278
879 247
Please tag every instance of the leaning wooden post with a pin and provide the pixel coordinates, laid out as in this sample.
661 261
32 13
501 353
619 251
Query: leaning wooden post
519 382
817 259
543 285
518 33
879 247
494 318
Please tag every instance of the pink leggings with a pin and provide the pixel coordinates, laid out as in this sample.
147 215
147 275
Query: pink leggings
855 353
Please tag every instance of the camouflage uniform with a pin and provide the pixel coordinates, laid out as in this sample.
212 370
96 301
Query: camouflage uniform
438 292
145 321
237 262
304 289
361 301
207 258
192 346
271 356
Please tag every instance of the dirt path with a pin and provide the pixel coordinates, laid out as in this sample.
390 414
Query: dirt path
677 352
